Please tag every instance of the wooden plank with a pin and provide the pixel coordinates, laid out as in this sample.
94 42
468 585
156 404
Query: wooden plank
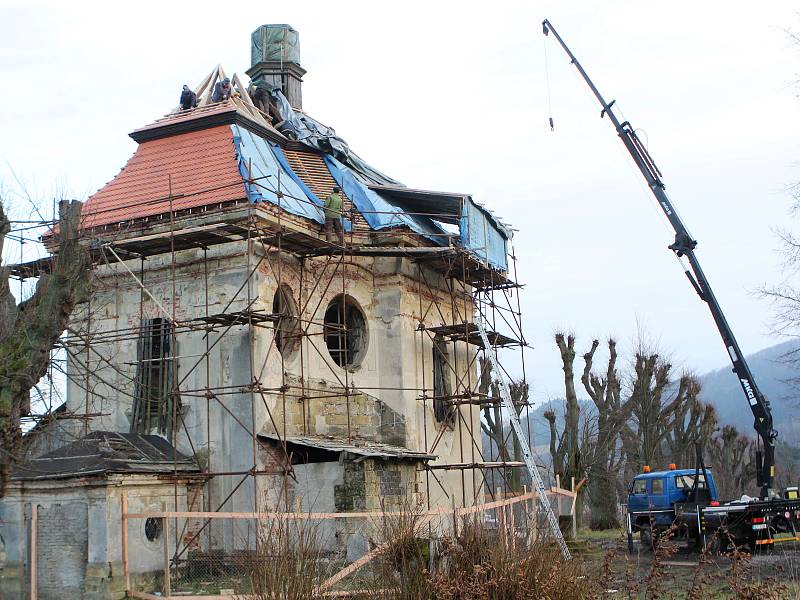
295 516
34 536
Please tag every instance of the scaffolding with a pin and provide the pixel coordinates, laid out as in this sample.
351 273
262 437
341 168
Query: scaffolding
453 290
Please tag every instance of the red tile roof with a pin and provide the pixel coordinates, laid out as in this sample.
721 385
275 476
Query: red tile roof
192 162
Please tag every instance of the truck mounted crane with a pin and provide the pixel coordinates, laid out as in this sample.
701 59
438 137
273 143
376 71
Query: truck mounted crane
684 247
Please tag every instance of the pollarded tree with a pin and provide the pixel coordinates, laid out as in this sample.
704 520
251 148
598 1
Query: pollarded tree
612 414
571 451
30 329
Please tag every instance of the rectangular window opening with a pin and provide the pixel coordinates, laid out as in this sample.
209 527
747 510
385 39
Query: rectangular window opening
153 400
442 406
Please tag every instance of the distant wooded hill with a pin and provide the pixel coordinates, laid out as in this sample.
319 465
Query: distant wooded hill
773 374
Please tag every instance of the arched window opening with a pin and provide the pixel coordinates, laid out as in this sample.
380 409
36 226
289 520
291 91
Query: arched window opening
287 326
345 331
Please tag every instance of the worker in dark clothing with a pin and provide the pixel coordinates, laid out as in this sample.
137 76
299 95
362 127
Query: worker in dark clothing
188 98
261 92
222 90
333 215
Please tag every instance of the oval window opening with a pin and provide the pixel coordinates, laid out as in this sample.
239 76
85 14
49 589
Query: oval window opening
345 331
152 529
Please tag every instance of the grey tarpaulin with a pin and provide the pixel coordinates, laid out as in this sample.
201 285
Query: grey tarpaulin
314 134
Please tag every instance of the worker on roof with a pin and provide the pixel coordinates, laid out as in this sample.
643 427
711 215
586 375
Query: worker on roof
262 93
333 215
188 98
222 90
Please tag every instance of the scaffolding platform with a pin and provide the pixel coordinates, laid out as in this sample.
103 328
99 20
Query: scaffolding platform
510 464
468 332
241 317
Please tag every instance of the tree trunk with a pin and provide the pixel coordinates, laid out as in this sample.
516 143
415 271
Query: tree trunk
33 327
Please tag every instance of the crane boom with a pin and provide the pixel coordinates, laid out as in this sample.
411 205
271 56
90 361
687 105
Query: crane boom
685 245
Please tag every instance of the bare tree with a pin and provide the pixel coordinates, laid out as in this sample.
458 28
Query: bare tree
29 330
612 415
731 456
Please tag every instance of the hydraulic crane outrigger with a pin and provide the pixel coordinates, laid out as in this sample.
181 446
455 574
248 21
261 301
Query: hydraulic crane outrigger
684 245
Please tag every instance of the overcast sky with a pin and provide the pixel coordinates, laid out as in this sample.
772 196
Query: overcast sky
453 96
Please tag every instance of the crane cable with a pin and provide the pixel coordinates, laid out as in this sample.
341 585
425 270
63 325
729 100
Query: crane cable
547 84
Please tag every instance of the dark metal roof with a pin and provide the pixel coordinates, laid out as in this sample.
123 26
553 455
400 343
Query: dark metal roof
105 452
300 444
441 206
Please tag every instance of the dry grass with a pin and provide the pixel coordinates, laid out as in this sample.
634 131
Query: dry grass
287 563
471 561
464 560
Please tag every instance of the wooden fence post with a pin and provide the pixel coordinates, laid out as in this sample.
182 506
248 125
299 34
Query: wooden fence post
165 536
574 513
125 569
34 535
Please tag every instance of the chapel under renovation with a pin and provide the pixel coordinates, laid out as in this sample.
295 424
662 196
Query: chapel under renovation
234 358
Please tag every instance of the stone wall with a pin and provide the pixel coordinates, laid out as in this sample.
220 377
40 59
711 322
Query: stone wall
63 550
79 535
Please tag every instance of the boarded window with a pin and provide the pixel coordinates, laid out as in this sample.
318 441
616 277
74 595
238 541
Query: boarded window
442 406
152 404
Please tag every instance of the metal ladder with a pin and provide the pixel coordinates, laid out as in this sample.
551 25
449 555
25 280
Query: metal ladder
527 455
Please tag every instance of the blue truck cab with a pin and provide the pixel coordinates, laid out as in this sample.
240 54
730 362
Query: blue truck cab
657 492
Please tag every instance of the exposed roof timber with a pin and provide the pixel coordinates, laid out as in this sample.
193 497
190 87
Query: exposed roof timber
103 452
340 446
238 109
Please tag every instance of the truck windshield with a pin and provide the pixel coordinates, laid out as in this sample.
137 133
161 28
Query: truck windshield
683 482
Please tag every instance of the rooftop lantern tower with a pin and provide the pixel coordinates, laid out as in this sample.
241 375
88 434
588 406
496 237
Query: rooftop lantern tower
275 58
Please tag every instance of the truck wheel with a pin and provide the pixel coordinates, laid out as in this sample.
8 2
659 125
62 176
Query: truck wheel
646 538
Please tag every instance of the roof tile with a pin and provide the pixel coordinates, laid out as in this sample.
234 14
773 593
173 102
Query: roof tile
198 168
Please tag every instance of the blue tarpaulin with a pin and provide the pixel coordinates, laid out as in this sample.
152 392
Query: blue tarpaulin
482 235
264 163
257 161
